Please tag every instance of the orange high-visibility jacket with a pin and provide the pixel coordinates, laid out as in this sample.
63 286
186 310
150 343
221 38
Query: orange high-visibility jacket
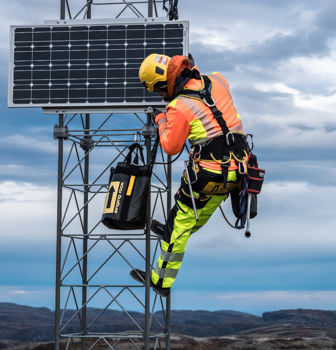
191 118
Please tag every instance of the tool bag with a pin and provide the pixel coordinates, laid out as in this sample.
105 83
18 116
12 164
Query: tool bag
126 199
255 175
251 184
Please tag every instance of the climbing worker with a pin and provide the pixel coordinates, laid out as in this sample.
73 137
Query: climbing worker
201 110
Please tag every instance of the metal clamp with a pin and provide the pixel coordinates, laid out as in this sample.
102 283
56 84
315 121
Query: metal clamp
149 130
60 132
149 110
86 143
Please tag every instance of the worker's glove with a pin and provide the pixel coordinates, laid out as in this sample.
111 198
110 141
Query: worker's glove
154 113
160 117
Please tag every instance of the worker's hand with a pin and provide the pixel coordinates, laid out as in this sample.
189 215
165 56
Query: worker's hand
156 112
160 117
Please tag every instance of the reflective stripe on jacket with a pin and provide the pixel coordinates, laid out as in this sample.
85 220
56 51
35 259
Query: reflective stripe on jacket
189 117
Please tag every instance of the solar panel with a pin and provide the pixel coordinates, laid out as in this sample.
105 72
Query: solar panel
93 64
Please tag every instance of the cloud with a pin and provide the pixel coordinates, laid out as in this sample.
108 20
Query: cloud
291 169
266 18
255 302
275 300
38 296
26 212
18 291
28 143
9 168
292 30
302 73
40 174
289 215
18 192
313 102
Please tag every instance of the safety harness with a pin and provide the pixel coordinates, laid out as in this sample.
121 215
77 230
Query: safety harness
223 147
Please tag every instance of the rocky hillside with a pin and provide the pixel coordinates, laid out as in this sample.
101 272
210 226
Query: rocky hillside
266 338
210 324
28 324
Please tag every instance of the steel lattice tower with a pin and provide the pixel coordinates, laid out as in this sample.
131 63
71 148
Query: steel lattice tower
92 263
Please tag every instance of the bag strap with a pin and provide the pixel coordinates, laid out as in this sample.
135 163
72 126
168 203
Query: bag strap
134 147
138 148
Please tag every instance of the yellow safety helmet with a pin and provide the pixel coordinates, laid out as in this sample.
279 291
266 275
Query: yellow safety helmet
153 69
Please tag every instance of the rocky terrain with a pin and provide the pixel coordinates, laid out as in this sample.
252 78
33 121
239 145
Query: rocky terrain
268 338
23 328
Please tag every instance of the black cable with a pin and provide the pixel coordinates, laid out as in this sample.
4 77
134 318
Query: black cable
172 161
173 11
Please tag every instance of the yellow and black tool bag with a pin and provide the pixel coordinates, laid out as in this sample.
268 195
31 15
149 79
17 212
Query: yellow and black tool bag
126 199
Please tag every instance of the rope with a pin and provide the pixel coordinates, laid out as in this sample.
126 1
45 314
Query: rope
226 219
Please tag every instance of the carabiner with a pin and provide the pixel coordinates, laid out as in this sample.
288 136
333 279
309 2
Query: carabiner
193 166
196 153
205 96
137 134
247 141
211 104
242 165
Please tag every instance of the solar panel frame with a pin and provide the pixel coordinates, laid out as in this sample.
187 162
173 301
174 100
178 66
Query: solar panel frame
40 91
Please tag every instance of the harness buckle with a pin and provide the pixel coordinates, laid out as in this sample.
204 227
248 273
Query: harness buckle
207 98
225 160
229 138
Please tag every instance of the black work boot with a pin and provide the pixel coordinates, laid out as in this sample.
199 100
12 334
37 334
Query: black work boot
140 276
158 228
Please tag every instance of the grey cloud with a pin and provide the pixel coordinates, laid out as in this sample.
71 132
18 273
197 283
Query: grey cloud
281 47
304 169
326 18
229 12
276 142
259 102
312 41
209 60
268 54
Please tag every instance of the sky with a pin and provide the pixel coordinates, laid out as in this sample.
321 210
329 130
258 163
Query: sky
279 58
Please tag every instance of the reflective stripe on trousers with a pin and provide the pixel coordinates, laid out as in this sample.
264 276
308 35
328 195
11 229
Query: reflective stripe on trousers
172 252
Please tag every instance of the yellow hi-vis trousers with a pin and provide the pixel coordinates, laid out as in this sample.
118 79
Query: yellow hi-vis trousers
184 224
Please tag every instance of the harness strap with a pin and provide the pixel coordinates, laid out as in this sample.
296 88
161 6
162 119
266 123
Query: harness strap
217 148
205 95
